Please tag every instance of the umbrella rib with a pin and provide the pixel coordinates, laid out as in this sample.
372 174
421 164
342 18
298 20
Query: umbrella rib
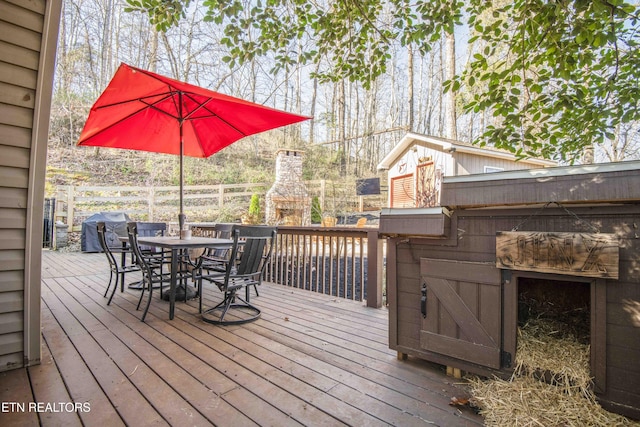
200 105
141 99
147 104
213 114
168 95
117 122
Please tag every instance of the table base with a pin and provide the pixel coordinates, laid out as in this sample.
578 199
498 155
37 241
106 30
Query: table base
180 291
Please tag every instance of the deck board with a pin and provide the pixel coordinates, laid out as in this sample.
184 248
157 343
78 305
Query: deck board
77 376
311 359
15 390
48 386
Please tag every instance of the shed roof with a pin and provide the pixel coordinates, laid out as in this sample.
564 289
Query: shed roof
448 146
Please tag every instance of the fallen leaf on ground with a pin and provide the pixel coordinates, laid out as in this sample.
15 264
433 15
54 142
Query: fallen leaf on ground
459 401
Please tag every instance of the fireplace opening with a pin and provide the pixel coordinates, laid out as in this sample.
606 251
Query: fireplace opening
292 216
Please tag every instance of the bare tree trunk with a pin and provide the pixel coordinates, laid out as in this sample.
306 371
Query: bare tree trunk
450 96
153 51
369 120
341 126
314 97
410 113
107 31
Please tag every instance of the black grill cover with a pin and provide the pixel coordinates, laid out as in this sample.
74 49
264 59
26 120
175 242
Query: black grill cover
116 223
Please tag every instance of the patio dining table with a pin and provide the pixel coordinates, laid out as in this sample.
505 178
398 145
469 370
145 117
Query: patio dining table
176 245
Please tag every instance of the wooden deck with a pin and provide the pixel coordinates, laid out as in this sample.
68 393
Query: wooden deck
310 360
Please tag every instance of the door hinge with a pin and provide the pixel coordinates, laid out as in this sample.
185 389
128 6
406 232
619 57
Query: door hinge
506 359
423 300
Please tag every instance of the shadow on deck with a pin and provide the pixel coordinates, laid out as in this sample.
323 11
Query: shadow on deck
311 359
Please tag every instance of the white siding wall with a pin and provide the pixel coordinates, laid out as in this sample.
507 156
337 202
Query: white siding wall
471 164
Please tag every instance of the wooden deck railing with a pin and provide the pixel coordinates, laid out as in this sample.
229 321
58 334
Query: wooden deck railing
346 262
342 261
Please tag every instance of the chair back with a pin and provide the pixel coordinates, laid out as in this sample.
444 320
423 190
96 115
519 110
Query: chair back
150 229
102 238
252 248
132 232
223 230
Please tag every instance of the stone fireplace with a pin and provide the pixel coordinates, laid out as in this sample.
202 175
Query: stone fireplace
288 201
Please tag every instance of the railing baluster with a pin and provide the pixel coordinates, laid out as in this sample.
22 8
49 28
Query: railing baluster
294 261
352 257
360 261
289 258
299 277
305 263
323 276
317 264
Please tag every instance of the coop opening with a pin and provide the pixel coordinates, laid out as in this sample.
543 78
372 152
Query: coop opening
554 329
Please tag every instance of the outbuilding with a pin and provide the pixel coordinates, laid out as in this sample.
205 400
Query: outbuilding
418 163
457 273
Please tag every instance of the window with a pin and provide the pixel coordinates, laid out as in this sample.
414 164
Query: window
427 186
403 192
491 169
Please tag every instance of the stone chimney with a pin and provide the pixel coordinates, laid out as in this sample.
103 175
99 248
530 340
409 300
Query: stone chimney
288 201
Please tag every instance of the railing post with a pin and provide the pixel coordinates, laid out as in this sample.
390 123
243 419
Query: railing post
374 268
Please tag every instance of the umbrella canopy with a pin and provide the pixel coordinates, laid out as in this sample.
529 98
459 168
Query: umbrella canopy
141 110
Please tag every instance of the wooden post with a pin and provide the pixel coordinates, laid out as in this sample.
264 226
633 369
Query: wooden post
70 206
323 185
61 200
151 200
220 196
454 372
374 269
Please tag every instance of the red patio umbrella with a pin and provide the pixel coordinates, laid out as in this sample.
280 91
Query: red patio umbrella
141 110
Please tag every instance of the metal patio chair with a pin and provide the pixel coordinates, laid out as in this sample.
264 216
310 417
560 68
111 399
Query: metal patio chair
215 260
151 267
249 255
156 256
118 270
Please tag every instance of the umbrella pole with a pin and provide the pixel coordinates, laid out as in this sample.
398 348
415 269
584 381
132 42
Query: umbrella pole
181 215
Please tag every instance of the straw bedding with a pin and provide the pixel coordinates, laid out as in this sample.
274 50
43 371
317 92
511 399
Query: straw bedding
550 386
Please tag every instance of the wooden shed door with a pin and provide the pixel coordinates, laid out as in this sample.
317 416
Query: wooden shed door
463 307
